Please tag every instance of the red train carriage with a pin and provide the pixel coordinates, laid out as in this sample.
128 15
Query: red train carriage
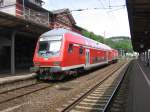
115 55
60 52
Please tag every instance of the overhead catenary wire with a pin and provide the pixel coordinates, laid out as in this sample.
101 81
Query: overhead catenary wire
103 7
107 5
108 9
102 4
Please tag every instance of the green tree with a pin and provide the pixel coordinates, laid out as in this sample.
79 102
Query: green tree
118 42
93 36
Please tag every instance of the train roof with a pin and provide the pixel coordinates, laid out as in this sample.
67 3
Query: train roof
89 42
57 31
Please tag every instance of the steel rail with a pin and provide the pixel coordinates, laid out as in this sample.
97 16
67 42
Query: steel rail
27 93
3 92
32 91
124 72
18 96
77 101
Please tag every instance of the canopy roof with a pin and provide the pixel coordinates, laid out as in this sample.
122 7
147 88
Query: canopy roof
139 20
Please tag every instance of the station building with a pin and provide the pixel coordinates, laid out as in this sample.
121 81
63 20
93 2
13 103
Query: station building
21 24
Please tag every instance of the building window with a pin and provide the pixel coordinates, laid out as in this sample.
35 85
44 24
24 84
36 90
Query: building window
37 1
70 48
1 3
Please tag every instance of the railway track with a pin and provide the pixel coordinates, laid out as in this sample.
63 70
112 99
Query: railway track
9 95
33 84
15 94
99 97
23 91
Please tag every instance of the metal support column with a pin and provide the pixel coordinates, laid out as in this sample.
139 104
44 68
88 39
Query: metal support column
13 52
147 58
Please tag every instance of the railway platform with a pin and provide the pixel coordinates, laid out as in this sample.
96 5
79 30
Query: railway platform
7 78
139 87
10 82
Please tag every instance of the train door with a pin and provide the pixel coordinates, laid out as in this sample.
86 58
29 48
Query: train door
87 57
107 56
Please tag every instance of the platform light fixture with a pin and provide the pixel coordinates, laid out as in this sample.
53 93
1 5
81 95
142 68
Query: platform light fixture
146 32
141 46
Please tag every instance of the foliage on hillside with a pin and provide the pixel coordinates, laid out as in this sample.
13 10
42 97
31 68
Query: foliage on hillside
120 38
124 44
93 36
119 42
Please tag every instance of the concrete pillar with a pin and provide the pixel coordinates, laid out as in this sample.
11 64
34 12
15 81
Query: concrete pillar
140 56
147 58
13 52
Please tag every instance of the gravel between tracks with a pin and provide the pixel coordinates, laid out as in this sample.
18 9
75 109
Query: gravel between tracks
50 99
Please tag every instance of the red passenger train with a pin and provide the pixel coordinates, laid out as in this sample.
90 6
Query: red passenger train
60 52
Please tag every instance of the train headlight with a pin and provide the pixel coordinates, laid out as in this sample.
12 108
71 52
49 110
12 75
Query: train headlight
56 63
37 63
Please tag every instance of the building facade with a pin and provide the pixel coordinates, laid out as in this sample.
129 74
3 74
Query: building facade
63 18
30 10
16 49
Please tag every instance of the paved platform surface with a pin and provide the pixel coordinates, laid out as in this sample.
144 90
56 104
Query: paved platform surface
7 73
8 78
139 88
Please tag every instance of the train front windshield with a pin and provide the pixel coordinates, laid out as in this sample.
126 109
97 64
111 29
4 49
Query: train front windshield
49 48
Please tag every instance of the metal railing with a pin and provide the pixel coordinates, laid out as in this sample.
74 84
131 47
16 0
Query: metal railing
34 16
39 17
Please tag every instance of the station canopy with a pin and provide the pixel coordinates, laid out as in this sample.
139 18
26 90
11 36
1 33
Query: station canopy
139 20
10 23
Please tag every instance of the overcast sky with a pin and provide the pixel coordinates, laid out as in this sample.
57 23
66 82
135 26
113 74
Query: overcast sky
107 20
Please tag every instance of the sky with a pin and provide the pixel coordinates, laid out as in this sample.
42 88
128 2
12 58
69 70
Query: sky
109 19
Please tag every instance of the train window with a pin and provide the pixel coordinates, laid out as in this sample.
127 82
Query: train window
43 46
55 46
70 48
49 48
81 50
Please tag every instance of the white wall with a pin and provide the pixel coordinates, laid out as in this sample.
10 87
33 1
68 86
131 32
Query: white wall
9 2
10 10
9 6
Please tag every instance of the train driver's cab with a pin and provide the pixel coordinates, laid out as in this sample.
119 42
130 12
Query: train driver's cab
49 47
